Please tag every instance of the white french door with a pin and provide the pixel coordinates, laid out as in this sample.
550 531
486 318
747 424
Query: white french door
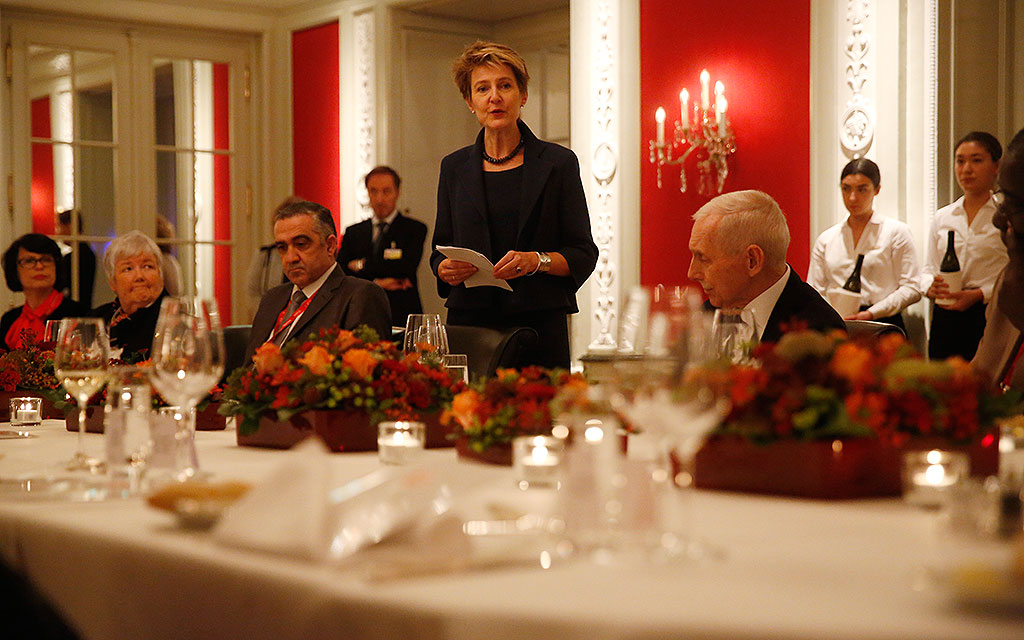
125 127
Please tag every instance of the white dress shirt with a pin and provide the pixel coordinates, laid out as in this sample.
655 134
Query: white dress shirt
760 308
978 247
309 290
890 276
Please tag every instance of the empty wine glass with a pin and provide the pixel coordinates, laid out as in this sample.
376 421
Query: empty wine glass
425 331
187 360
733 335
80 362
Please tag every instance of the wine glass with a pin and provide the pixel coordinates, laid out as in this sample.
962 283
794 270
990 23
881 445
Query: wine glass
732 335
80 362
187 361
425 330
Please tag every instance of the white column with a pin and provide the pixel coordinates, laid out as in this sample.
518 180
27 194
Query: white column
359 108
605 99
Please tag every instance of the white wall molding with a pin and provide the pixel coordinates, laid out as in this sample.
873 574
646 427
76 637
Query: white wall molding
605 135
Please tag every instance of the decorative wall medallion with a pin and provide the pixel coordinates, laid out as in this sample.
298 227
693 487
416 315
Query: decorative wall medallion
604 163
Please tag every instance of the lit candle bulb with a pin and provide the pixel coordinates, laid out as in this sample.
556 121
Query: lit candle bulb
659 117
719 88
705 97
684 108
722 105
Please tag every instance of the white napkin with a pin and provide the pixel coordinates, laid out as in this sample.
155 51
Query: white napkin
302 510
287 513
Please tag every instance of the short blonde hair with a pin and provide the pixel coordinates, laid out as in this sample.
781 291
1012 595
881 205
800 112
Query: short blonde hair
482 53
746 218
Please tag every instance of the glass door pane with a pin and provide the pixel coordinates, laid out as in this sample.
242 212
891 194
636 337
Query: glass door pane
193 160
73 155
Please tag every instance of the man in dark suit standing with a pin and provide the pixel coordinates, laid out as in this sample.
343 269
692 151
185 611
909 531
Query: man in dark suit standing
387 248
318 295
739 242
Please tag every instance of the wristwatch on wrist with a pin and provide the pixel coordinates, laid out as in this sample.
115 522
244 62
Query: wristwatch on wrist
545 262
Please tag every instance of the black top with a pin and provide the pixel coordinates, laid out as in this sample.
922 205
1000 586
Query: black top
504 191
132 334
551 215
67 308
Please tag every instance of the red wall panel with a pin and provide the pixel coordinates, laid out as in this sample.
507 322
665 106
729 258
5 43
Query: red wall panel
42 169
315 115
222 192
761 52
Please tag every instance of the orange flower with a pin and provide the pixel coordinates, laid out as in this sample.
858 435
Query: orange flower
852 362
426 346
268 358
464 407
360 361
317 360
344 340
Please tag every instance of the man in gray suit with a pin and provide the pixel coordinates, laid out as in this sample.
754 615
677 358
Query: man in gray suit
319 294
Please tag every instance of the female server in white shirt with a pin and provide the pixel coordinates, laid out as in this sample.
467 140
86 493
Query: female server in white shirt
890 275
957 327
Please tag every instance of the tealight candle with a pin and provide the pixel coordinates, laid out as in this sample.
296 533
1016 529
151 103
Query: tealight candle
400 442
928 476
536 460
26 412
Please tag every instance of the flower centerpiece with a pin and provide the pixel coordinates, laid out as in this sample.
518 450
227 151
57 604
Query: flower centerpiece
493 412
859 402
340 372
28 370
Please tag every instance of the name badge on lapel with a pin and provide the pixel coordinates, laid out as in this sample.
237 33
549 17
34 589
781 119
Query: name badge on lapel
392 253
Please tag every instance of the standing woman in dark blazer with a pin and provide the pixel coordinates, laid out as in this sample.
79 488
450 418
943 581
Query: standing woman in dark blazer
517 200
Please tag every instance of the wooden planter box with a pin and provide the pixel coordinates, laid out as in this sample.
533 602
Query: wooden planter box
500 454
206 420
341 431
832 469
47 409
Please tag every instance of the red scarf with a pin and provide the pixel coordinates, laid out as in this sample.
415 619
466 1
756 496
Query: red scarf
33 320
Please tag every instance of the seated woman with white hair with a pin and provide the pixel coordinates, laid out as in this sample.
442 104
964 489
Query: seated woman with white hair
132 265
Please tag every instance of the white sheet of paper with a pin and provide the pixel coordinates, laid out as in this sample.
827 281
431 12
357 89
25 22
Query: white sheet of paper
484 277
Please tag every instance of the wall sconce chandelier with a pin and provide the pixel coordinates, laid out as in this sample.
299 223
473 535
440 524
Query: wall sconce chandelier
708 130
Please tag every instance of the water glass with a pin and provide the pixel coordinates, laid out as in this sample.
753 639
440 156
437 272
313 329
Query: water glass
457 365
126 424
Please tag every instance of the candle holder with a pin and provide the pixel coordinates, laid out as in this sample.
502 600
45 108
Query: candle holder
929 476
400 442
26 412
708 130
536 460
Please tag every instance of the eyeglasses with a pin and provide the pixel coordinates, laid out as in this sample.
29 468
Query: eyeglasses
27 263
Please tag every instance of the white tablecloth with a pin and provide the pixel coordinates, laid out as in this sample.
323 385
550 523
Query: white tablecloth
795 569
